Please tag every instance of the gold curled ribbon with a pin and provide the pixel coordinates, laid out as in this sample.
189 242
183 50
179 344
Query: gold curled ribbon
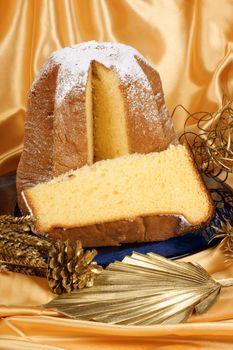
212 144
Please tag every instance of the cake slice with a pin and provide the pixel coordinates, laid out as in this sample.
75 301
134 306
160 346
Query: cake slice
160 184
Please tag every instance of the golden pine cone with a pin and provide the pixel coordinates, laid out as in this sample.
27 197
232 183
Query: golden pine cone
69 267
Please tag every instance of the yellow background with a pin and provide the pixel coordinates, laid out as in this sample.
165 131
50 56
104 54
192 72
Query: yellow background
191 45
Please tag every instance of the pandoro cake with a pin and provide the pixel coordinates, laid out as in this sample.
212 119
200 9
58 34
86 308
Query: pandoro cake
133 198
91 101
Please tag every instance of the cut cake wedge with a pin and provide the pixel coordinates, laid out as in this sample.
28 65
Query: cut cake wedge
164 188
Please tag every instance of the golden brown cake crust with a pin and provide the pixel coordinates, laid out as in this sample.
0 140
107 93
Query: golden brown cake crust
142 229
147 229
38 131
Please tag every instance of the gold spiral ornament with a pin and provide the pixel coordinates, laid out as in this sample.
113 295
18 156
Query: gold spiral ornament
212 143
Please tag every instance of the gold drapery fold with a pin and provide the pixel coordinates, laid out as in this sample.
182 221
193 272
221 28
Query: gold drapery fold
190 43
23 321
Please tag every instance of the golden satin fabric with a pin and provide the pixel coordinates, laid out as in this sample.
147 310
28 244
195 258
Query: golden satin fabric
191 45
25 326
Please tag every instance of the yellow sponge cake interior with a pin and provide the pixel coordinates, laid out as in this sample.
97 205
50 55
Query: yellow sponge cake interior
110 134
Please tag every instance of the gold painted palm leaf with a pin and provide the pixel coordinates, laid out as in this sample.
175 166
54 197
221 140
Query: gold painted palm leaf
143 290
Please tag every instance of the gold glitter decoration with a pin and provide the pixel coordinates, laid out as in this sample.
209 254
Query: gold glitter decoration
65 264
69 267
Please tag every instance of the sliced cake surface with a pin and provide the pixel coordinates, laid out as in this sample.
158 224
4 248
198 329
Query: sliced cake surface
163 183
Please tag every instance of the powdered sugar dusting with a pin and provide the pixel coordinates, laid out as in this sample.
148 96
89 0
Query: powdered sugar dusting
75 61
146 110
46 67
